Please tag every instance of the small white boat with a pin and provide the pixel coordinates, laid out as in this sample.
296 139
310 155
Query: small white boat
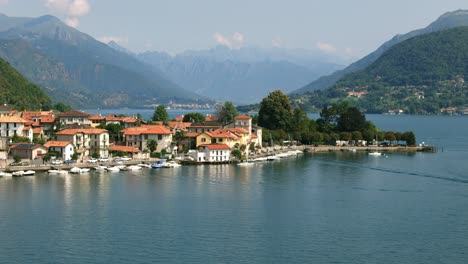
57 172
121 167
100 168
84 170
29 173
5 174
375 153
171 164
144 165
261 159
113 169
75 170
270 158
245 164
18 173
158 164
133 168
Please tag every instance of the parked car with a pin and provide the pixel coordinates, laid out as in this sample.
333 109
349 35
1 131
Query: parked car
21 163
92 161
57 162
103 159
70 162
122 159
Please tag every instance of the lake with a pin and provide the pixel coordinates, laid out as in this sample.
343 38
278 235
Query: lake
339 207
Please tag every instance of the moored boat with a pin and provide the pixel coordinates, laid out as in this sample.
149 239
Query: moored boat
158 164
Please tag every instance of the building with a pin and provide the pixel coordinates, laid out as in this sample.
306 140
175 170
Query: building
5 110
212 153
14 125
133 151
27 151
139 136
87 141
219 136
64 149
204 127
255 134
72 118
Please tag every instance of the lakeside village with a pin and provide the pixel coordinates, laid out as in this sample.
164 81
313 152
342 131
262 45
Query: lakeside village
45 140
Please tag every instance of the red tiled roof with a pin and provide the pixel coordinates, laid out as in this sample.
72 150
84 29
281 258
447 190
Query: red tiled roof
179 118
192 134
238 130
221 133
150 129
178 125
73 131
96 117
243 117
12 119
254 136
37 130
60 144
48 119
26 128
210 118
216 146
124 148
73 114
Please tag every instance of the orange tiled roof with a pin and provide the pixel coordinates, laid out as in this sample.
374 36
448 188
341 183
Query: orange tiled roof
216 146
124 148
73 131
254 136
178 125
12 119
48 119
73 114
150 129
221 133
179 118
129 120
96 117
211 118
26 128
238 130
192 134
60 144
243 117
37 130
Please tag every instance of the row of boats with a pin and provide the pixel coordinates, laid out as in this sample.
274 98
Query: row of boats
291 153
77 170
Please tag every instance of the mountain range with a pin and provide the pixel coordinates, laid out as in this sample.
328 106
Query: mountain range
446 21
242 75
75 68
421 75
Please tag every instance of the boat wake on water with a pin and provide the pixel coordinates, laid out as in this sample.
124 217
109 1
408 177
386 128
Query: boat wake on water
412 173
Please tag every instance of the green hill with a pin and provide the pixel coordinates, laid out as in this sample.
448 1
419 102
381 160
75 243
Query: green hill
18 92
420 75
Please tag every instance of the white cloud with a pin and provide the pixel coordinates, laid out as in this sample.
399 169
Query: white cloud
71 9
72 21
326 47
118 40
78 8
234 42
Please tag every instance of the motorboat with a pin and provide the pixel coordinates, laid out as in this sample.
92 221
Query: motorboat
245 164
57 172
158 164
18 173
5 174
270 158
144 165
113 169
133 168
75 170
171 164
375 153
100 168
84 170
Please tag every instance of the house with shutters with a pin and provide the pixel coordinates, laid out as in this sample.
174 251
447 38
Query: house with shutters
63 149
87 141
139 136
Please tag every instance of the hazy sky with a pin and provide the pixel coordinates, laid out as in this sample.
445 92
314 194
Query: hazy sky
350 28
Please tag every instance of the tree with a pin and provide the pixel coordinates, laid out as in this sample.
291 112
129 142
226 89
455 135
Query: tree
226 113
16 159
160 114
152 145
236 153
194 117
275 111
409 137
114 130
61 107
352 119
299 120
179 136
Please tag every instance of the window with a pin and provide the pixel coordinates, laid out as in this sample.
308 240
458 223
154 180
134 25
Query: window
159 137
203 140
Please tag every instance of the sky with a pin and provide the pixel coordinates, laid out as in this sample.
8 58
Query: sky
347 28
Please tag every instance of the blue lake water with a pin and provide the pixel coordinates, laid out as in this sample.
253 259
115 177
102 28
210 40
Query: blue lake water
317 208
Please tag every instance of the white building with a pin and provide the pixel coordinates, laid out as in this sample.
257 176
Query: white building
87 141
212 153
14 125
64 149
